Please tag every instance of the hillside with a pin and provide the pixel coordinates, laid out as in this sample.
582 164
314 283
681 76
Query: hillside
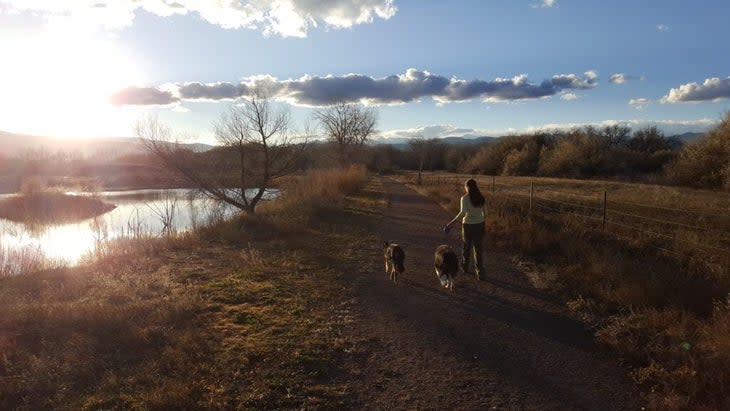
12 144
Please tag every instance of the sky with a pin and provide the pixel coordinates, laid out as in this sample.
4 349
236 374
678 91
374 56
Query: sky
92 68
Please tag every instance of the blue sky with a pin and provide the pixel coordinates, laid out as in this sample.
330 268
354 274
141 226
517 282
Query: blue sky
91 68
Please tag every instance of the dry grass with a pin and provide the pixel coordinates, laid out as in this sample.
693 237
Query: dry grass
666 312
238 315
51 207
307 198
24 260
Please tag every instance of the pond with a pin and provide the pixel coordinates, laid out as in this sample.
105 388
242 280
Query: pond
138 213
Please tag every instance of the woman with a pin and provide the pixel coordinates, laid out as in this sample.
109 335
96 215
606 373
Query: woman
473 212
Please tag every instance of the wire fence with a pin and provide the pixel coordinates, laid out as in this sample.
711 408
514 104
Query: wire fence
671 230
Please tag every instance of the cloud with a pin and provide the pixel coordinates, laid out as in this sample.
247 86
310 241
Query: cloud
713 89
621 78
288 18
545 3
436 131
670 127
143 96
180 109
316 91
569 96
662 27
639 103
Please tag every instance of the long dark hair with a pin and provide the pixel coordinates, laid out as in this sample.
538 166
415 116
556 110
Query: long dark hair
475 196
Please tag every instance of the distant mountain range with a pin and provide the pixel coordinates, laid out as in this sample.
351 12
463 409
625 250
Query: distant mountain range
12 144
688 137
402 142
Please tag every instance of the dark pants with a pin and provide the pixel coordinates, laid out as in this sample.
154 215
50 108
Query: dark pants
473 235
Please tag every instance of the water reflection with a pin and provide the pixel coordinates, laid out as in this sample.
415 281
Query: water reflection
138 213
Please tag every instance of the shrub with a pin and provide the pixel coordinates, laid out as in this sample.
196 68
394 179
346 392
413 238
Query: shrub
705 163
514 155
317 191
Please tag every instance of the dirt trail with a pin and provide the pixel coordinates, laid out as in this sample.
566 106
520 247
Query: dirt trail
495 344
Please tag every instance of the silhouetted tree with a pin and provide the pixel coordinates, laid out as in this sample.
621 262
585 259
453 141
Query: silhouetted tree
255 142
347 125
425 152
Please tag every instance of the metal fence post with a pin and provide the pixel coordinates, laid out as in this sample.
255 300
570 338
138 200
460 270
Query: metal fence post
604 210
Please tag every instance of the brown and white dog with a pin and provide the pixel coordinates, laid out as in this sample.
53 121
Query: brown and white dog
394 260
446 263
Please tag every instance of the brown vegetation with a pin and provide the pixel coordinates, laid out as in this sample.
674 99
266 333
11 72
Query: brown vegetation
581 153
237 315
706 163
37 205
665 311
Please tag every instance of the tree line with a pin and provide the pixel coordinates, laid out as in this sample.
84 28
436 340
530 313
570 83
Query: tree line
612 152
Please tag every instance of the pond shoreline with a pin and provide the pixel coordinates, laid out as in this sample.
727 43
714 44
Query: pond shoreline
137 214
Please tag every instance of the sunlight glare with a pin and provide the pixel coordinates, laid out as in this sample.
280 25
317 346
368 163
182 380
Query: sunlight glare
60 84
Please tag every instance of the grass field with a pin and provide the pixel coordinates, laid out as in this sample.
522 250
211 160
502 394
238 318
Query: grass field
653 283
244 314
683 222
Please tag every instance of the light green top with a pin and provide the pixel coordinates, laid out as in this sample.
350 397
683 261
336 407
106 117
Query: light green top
469 213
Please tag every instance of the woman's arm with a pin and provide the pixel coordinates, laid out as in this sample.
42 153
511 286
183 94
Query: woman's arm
462 211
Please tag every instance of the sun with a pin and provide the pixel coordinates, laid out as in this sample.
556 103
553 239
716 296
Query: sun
60 85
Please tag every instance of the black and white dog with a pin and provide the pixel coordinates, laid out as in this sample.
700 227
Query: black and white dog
394 260
446 263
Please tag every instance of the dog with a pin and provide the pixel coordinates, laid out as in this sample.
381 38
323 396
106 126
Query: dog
394 260
446 264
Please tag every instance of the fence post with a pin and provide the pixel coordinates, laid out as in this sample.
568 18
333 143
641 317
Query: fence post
604 210
531 190
492 184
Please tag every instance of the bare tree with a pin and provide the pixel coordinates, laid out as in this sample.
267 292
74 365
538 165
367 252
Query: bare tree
256 145
424 151
347 125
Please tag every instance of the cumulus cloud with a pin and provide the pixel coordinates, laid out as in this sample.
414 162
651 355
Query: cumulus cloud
410 86
713 89
569 96
662 27
545 3
639 103
621 78
283 17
